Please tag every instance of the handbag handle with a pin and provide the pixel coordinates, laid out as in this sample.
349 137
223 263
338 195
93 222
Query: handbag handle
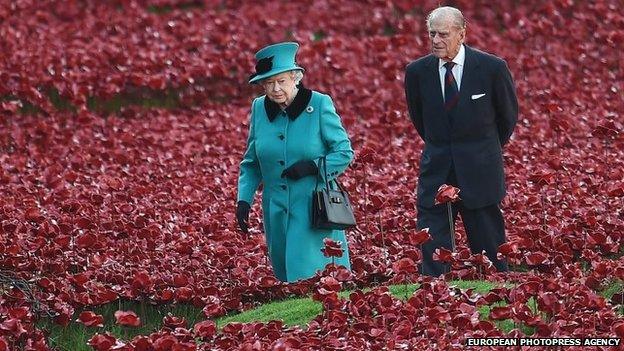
323 161
323 165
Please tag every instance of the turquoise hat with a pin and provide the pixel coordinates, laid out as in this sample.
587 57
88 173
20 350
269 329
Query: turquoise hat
275 59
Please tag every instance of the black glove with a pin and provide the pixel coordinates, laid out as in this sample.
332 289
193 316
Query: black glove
300 169
242 216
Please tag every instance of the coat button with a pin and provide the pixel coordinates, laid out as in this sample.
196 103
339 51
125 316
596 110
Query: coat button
281 162
281 136
283 187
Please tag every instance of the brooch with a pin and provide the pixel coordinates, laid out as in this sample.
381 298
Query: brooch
309 109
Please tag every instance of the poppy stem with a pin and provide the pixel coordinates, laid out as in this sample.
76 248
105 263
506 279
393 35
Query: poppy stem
543 202
143 307
405 282
383 238
449 209
365 197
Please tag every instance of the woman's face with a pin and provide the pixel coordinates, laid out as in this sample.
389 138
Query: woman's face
280 88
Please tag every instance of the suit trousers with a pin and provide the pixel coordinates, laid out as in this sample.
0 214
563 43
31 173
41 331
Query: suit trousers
485 231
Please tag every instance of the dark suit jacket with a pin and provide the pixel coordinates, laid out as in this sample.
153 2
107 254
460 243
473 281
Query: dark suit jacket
470 137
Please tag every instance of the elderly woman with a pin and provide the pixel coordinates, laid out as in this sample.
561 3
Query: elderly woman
291 128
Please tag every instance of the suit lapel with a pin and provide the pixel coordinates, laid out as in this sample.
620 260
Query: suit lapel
435 93
433 80
470 77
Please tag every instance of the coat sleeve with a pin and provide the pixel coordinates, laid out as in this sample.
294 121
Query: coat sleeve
412 95
339 153
505 103
250 176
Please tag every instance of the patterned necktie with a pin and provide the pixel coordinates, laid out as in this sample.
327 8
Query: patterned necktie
451 93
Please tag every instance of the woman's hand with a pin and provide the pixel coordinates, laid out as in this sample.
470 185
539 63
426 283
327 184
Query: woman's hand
242 216
300 169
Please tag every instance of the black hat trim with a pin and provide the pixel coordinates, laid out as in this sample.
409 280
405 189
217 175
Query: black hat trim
263 66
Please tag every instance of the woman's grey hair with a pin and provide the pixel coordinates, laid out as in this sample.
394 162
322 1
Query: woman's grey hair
297 76
447 12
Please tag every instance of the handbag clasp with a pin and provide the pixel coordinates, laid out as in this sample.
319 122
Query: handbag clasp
336 199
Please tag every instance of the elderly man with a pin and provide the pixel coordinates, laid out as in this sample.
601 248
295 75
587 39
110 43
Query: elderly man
463 104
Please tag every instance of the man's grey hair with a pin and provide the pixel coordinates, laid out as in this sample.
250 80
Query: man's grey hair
445 12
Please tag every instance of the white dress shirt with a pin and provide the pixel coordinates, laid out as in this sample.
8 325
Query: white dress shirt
457 70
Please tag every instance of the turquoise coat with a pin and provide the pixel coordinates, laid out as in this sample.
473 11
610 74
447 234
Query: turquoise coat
307 130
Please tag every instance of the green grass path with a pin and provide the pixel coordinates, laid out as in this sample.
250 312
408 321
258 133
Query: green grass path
292 311
300 311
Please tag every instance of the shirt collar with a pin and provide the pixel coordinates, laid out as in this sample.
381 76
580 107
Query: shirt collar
299 103
459 59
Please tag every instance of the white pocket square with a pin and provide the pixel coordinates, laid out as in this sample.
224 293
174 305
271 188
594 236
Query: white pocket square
477 96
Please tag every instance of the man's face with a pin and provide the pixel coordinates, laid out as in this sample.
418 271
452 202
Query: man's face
446 38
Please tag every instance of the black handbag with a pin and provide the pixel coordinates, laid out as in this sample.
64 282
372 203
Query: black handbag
331 208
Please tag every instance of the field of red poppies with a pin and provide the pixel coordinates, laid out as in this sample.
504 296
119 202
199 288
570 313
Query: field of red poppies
138 202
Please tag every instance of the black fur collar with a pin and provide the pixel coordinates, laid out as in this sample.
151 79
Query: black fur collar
300 102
